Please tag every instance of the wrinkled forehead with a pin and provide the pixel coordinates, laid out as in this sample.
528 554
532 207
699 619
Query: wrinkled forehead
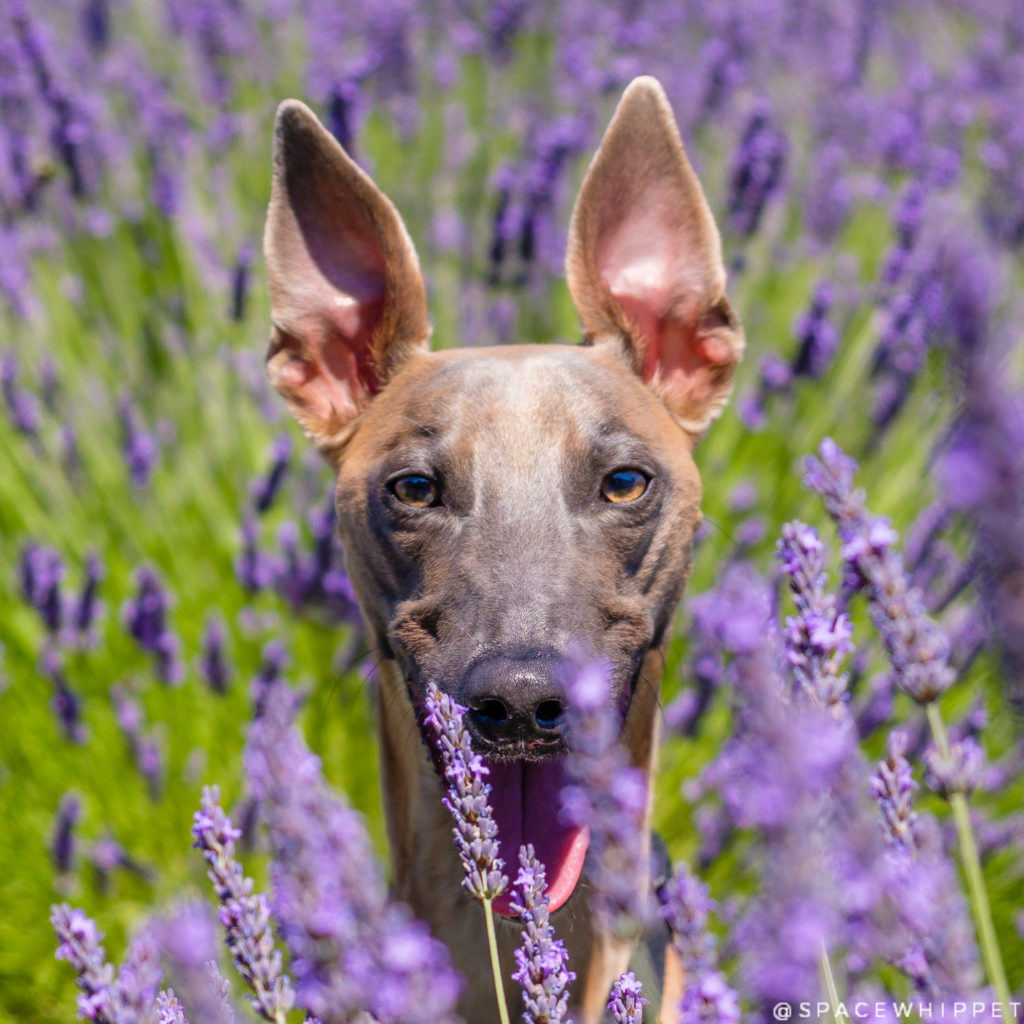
517 404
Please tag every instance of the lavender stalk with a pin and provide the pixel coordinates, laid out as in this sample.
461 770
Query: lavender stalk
244 915
627 1002
917 648
541 958
475 830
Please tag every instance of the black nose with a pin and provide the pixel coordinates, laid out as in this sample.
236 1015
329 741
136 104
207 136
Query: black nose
514 701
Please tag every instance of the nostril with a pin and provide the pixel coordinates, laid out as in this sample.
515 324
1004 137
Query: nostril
490 712
549 713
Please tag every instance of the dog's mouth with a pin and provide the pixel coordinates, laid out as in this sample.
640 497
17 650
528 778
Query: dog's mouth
526 797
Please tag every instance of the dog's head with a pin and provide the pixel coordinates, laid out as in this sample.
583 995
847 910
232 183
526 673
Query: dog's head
503 507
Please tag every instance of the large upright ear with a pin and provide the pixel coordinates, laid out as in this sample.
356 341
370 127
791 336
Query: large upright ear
346 295
645 261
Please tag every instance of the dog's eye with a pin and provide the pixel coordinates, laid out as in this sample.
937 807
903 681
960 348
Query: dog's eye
624 485
417 491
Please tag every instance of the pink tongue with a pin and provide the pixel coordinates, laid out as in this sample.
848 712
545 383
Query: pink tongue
526 799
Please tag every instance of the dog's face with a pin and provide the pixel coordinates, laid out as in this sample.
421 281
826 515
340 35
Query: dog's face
504 508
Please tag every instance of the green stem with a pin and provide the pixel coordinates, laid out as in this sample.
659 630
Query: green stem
830 983
492 942
972 868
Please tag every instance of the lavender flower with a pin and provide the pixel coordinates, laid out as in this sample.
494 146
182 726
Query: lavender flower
144 748
685 905
541 958
817 339
213 665
106 999
918 649
188 940
957 771
138 446
818 636
244 915
757 169
351 950
255 569
62 844
264 490
609 796
933 941
22 406
627 1002
170 1009
66 704
145 617
892 786
41 571
88 607
475 831
80 946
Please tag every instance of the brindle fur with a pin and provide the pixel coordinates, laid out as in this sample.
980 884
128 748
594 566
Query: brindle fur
522 558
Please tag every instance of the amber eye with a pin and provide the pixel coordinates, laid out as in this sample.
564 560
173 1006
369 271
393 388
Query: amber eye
417 491
624 485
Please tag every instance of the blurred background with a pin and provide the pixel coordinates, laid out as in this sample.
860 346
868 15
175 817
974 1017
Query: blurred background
166 534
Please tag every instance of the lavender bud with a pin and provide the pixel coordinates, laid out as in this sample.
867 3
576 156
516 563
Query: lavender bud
170 1009
66 704
264 490
757 169
892 786
959 772
79 945
88 606
917 647
541 958
62 845
213 665
818 636
627 1002
351 950
475 831
244 915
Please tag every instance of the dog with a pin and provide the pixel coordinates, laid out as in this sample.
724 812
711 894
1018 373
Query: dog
501 506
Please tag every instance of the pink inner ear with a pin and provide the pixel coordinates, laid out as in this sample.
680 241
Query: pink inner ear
641 262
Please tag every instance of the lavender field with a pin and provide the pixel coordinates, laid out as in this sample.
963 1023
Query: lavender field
843 759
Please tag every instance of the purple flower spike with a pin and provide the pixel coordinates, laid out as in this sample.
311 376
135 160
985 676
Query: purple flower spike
351 950
66 704
145 617
88 607
467 799
138 445
213 664
757 170
62 845
41 571
542 958
126 999
708 999
957 773
818 636
80 946
264 490
170 1010
627 1002
244 915
609 796
892 786
917 647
